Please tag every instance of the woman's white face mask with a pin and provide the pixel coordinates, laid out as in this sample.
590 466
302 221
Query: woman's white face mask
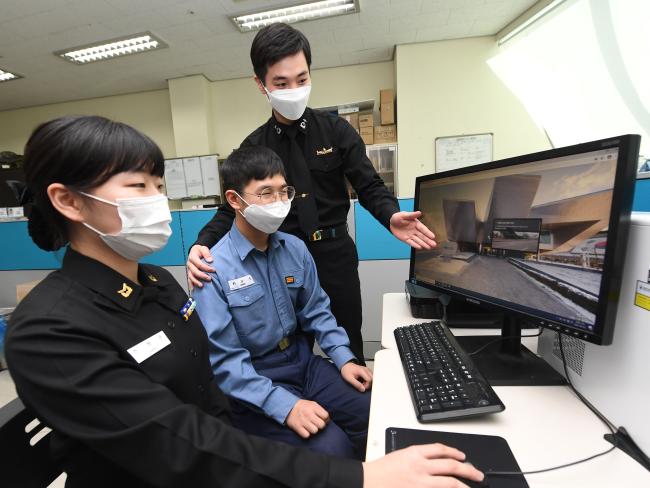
145 225
290 103
266 218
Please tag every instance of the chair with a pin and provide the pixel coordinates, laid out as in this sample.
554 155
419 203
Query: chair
25 460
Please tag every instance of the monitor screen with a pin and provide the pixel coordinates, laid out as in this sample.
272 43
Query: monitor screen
537 235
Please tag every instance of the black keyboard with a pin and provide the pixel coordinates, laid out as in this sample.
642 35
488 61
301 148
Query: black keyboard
443 380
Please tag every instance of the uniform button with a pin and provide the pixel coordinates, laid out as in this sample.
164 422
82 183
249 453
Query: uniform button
194 352
171 324
200 388
247 299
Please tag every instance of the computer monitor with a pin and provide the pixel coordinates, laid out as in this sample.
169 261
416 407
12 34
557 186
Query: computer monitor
540 238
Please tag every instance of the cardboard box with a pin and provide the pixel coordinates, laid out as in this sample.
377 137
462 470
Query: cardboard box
387 113
366 120
352 118
386 96
385 134
23 289
367 134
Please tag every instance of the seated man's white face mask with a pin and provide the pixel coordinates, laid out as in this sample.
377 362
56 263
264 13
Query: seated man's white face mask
266 218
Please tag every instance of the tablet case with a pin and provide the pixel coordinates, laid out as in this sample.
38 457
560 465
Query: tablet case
486 452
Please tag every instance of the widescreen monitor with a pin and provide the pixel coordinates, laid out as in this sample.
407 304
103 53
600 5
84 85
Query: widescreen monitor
539 237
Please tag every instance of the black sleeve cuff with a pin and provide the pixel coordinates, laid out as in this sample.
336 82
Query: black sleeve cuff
345 473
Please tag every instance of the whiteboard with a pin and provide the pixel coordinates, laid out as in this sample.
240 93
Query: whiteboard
454 152
210 174
193 177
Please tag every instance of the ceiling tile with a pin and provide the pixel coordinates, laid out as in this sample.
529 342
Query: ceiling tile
202 39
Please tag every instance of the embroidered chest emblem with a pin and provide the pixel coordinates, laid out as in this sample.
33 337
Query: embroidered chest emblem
289 280
321 152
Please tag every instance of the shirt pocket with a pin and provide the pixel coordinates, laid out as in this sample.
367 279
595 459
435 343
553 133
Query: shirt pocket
325 163
295 281
247 309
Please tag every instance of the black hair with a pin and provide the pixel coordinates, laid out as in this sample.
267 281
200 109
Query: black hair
250 163
275 42
81 152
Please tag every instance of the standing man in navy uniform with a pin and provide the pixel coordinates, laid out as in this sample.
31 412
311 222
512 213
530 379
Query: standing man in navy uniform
319 151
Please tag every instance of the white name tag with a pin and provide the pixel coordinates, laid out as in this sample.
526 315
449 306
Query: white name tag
149 347
242 282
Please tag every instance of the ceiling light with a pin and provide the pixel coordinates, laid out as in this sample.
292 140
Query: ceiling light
7 76
297 13
112 48
528 18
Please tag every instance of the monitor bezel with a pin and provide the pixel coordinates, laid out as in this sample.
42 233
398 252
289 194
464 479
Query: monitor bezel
618 231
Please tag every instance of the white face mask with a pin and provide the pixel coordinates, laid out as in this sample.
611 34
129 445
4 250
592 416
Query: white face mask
266 218
145 225
290 103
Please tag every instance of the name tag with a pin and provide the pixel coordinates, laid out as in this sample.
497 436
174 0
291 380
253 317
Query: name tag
149 347
242 282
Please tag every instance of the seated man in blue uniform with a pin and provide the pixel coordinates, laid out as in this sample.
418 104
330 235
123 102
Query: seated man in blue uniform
264 294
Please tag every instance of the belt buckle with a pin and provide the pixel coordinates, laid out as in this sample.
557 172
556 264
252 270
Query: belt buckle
284 343
316 236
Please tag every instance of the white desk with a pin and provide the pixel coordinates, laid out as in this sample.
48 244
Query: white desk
544 425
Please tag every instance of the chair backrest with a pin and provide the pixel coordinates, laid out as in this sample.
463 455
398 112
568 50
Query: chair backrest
25 459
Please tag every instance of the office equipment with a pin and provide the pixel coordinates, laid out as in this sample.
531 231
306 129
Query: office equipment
568 282
23 464
486 452
443 381
11 183
424 303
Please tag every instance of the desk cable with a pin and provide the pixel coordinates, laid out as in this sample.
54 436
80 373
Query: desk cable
615 436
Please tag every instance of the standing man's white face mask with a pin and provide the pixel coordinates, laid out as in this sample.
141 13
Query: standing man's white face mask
290 103
287 85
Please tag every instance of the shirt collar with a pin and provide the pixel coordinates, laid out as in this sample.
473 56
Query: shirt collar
108 283
301 125
244 247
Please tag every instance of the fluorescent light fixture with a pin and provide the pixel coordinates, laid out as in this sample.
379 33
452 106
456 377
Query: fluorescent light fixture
296 13
528 18
8 76
112 48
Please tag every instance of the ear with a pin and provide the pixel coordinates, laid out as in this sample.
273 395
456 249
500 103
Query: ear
260 86
66 202
233 200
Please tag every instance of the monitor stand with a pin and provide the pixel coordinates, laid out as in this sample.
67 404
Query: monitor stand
508 362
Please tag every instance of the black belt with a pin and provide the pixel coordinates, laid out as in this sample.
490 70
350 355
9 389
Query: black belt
329 233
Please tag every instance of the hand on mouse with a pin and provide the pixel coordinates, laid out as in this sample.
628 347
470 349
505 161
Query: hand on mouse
429 465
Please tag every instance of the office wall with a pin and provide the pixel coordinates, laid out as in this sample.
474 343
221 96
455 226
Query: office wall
446 88
149 112
239 108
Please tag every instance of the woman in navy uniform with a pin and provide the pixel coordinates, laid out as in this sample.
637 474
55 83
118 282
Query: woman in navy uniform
108 353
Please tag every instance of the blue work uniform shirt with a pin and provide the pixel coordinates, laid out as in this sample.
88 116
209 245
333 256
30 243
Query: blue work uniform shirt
255 299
